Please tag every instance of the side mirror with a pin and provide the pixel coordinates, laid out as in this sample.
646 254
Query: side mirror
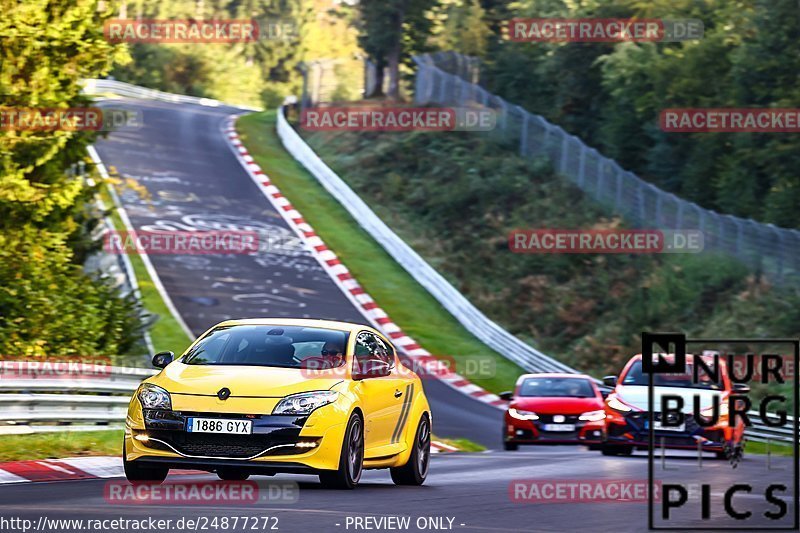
162 359
372 368
507 396
742 388
610 381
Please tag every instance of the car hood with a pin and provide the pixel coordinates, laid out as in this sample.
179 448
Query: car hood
243 381
636 396
557 406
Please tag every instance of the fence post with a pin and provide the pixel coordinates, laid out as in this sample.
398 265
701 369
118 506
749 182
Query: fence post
564 148
523 143
659 200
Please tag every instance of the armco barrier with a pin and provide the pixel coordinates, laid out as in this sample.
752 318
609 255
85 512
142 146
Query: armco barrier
98 86
24 412
451 299
33 404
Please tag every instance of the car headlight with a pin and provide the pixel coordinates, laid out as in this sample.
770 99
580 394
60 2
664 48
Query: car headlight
593 416
618 405
304 403
154 397
523 415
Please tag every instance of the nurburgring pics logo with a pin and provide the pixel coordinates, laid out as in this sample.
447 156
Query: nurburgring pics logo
181 242
604 241
603 30
397 119
720 399
708 120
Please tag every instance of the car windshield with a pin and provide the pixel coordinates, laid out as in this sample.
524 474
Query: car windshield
272 346
557 387
635 376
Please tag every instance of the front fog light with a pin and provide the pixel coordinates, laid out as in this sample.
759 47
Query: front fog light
154 397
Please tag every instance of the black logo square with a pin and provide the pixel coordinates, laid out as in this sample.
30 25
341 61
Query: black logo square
662 341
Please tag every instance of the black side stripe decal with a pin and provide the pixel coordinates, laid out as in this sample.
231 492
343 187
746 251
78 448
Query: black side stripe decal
401 421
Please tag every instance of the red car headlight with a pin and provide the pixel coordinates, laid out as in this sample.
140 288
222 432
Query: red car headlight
522 415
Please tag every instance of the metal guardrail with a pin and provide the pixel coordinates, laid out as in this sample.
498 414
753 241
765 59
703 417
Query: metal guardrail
92 401
32 404
99 86
451 299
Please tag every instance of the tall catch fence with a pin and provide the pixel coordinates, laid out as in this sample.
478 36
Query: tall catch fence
451 79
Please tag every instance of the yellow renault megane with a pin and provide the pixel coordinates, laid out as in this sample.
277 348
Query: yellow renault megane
263 396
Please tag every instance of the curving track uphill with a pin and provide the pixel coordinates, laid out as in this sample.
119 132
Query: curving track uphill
194 180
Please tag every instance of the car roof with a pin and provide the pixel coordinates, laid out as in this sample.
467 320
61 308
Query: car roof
302 322
553 375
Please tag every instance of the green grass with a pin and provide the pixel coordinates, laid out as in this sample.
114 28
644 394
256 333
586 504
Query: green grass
406 302
61 444
166 333
760 448
463 445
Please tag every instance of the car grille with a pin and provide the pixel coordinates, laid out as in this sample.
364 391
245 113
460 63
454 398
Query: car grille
233 446
568 419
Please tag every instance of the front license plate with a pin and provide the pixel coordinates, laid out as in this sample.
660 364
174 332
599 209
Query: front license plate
657 426
559 427
219 425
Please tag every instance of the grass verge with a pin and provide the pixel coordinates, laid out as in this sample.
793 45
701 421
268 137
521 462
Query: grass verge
760 448
166 333
61 444
463 445
408 303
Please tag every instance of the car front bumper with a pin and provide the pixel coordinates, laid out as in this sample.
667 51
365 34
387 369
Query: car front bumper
278 443
534 431
631 429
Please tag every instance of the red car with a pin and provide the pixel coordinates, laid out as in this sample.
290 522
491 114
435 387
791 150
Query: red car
554 409
627 415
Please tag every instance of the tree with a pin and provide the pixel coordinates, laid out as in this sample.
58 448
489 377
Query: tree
389 30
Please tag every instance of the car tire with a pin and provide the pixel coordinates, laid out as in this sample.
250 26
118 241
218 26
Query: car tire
616 450
136 473
351 459
510 446
415 471
232 474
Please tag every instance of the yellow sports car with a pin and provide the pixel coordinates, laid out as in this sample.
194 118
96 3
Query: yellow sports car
263 396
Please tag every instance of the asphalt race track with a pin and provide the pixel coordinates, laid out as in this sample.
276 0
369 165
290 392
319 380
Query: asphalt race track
194 181
471 489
